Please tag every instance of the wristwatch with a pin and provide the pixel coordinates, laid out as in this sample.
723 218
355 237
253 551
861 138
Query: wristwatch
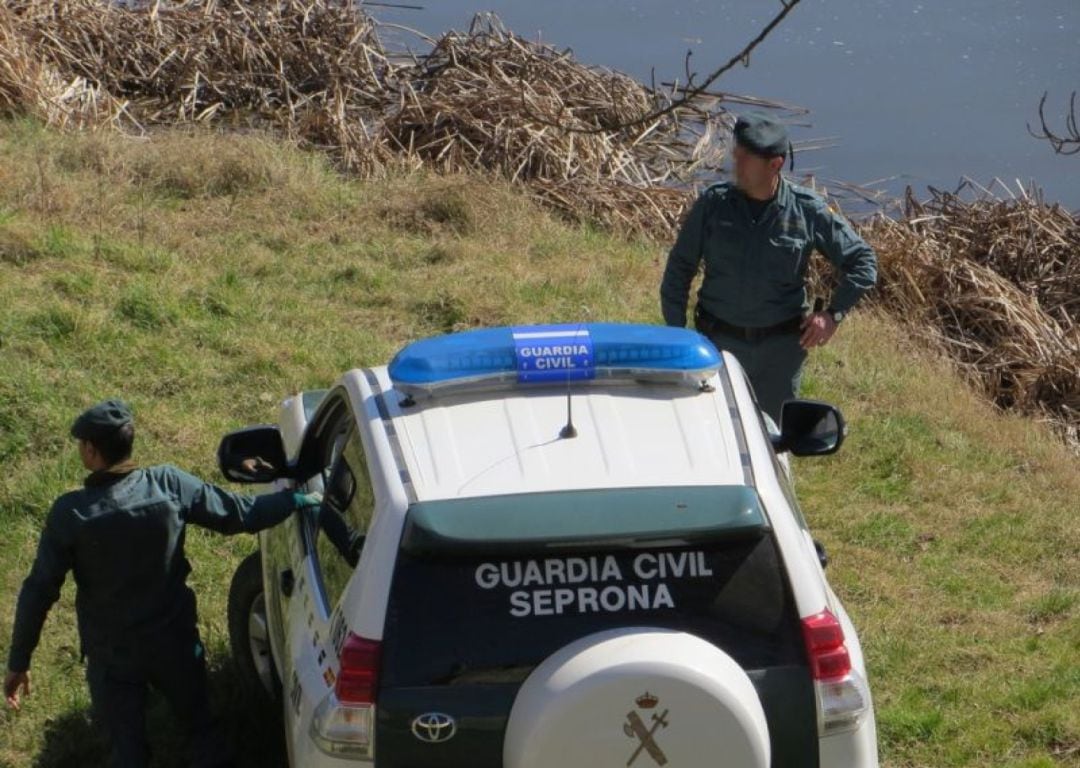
836 315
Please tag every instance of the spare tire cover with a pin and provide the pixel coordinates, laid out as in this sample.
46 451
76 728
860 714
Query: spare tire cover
637 697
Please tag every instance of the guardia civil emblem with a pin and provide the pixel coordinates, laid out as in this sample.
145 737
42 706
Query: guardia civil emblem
644 731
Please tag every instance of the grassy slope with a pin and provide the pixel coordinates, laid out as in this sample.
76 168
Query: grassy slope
204 277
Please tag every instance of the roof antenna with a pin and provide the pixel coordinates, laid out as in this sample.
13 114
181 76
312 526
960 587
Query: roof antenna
569 430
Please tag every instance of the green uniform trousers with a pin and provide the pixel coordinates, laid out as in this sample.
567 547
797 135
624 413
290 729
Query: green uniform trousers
172 662
773 365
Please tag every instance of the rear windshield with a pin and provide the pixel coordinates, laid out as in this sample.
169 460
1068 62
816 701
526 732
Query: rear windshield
477 603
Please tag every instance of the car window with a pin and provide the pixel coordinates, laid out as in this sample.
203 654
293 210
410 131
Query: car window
346 514
335 458
526 598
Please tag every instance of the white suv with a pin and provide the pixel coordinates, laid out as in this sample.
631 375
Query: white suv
572 546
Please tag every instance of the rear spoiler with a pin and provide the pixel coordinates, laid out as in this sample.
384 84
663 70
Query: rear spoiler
616 518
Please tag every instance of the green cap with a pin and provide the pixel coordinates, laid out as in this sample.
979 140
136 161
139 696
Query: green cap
102 420
762 135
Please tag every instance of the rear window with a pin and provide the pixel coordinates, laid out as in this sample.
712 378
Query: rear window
473 602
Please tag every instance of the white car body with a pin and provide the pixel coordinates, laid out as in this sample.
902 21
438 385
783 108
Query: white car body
471 445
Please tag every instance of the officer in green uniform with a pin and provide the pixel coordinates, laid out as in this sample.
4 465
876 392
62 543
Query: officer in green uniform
755 237
123 537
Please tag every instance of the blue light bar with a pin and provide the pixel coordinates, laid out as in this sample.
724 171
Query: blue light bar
553 354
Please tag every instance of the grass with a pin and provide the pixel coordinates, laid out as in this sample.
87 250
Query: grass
203 277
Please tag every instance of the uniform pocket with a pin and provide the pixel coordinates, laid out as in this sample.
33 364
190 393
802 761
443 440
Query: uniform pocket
784 258
724 246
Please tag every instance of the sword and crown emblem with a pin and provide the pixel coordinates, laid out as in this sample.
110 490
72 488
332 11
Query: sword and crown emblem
635 727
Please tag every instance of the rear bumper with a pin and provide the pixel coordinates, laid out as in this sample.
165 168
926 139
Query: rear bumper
857 749
306 755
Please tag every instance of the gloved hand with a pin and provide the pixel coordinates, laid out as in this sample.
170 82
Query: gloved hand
307 500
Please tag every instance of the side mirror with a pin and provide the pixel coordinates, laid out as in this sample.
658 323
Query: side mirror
253 455
810 428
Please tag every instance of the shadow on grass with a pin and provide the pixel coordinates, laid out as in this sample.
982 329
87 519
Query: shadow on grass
251 723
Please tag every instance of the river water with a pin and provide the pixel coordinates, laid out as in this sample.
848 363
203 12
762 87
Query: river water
920 93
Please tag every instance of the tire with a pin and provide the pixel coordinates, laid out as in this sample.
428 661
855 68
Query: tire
640 697
250 645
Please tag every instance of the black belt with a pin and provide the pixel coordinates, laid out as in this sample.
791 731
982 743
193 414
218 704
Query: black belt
710 325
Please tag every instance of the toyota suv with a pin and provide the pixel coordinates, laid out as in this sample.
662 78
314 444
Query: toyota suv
540 546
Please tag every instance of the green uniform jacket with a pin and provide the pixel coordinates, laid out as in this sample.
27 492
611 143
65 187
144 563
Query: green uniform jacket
123 536
755 274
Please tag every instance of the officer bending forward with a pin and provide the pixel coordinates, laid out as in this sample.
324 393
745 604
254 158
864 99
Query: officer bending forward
123 537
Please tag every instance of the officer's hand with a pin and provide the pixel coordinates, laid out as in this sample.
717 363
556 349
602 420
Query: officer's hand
12 683
255 465
817 329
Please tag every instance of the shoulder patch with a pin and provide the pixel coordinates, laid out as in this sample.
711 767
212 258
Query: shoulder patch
807 195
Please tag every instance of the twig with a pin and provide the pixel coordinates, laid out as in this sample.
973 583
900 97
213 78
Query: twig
1069 144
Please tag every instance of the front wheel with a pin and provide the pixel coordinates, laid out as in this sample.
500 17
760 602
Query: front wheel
249 632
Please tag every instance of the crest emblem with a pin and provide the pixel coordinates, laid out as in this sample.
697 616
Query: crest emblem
635 727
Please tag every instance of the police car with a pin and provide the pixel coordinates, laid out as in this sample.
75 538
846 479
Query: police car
571 546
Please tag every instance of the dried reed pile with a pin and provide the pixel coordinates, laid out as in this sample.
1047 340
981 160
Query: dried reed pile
996 282
490 100
316 71
31 84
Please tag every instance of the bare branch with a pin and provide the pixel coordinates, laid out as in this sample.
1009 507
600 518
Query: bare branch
689 94
1069 144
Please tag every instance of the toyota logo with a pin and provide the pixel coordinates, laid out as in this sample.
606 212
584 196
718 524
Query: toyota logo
434 727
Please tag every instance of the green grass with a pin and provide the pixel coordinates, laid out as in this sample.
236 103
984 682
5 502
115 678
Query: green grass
204 277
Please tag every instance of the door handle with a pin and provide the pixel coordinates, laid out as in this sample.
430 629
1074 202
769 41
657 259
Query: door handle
287 581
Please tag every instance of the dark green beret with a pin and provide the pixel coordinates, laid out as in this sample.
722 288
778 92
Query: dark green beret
102 420
762 135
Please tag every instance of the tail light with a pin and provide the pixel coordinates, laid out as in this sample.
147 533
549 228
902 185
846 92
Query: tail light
825 646
344 723
358 679
842 695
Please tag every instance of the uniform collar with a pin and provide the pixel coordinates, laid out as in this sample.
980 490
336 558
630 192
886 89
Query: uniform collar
781 201
107 477
783 193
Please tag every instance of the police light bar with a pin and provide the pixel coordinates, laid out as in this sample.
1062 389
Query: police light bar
553 354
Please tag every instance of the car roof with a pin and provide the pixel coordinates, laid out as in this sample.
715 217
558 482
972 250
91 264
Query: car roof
628 434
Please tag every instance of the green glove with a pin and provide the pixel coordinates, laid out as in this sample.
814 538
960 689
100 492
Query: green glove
307 500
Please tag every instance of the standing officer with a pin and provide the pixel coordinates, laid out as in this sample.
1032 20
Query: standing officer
123 537
755 237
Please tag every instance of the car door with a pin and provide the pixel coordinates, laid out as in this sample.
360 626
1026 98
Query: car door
329 547
281 545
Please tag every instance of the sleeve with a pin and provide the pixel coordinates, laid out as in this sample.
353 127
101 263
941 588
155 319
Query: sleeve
41 589
850 255
225 512
682 265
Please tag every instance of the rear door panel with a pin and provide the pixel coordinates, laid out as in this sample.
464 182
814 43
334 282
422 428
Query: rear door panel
312 676
457 643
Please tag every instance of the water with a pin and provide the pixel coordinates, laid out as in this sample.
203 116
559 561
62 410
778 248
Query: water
928 91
